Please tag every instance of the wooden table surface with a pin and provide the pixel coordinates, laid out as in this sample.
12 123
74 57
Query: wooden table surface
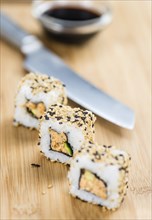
117 61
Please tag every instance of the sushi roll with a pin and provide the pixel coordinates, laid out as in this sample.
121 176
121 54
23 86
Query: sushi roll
35 94
63 130
99 175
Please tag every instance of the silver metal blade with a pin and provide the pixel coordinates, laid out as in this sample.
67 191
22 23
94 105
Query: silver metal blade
79 90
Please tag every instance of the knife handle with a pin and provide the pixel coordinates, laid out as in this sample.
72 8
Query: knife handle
14 34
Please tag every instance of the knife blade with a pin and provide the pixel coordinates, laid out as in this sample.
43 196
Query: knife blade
40 59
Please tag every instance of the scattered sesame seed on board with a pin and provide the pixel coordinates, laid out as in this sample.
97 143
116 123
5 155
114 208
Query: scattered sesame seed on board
35 165
50 186
43 192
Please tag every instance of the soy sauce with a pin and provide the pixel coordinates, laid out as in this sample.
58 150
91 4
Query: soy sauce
72 13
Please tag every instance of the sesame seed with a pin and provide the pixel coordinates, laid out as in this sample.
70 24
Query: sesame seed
50 186
85 113
58 118
51 113
105 146
77 116
46 117
97 157
35 165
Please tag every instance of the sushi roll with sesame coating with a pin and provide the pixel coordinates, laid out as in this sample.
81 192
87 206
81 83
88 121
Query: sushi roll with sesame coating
63 130
99 175
35 94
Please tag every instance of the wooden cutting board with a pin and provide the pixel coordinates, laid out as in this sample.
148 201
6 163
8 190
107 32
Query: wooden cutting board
117 61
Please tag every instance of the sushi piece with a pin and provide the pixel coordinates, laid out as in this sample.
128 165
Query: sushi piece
99 175
63 130
35 94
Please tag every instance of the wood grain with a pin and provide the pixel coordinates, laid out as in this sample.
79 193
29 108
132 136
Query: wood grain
118 61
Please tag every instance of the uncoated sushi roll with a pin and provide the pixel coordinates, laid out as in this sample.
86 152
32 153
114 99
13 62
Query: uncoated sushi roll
35 94
99 175
63 130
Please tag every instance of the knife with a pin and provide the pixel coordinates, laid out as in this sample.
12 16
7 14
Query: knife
39 59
